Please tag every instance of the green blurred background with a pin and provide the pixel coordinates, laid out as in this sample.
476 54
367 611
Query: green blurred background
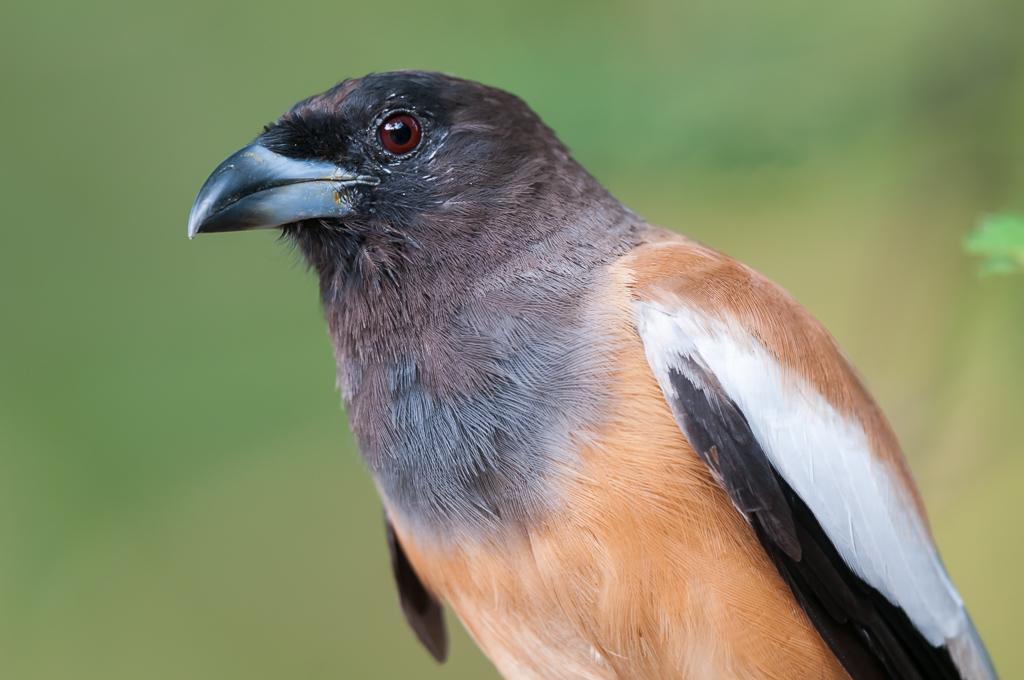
179 495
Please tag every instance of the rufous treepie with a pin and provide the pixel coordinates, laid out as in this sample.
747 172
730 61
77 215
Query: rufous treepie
612 451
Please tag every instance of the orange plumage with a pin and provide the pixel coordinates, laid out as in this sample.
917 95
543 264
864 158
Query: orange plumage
645 570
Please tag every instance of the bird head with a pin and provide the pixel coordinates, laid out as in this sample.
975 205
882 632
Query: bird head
397 161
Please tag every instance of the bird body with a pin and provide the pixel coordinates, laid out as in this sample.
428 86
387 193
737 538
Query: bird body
642 568
611 451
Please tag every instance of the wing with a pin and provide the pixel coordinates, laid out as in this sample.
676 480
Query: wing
771 406
422 610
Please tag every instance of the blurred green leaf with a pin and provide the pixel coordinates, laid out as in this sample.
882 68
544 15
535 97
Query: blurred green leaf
1000 240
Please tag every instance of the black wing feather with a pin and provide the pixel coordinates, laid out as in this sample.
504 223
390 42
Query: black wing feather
871 637
422 610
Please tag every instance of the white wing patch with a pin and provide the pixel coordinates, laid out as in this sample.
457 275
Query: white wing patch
826 458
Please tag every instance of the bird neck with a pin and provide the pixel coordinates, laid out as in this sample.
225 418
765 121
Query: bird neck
464 377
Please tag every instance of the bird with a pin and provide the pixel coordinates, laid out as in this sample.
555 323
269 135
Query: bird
610 450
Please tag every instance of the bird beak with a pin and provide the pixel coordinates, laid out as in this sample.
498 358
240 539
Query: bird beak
258 189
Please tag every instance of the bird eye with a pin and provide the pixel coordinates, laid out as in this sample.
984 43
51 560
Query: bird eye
400 133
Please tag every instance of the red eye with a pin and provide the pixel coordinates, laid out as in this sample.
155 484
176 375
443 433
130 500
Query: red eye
400 133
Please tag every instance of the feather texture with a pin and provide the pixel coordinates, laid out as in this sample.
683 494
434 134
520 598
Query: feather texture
713 366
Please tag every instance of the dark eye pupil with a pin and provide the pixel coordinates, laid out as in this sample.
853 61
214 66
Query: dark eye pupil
399 133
